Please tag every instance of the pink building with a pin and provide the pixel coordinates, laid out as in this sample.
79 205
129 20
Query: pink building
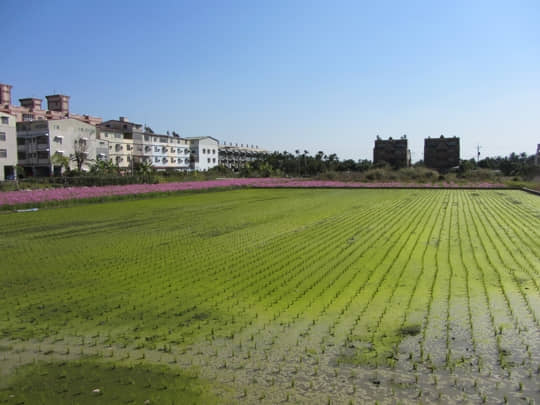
31 110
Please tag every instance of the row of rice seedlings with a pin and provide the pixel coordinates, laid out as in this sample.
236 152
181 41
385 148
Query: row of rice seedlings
363 323
435 284
378 332
295 287
363 259
461 270
519 309
489 228
410 326
510 247
496 316
519 227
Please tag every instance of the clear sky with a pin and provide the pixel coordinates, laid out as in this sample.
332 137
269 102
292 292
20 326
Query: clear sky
286 75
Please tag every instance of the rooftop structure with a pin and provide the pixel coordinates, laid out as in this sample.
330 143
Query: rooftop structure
30 108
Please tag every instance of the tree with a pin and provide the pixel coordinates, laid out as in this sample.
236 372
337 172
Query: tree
105 168
144 168
80 153
60 160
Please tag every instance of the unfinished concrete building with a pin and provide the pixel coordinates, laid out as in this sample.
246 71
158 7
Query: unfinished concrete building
395 152
441 153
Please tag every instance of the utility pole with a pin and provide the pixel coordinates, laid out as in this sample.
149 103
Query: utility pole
478 153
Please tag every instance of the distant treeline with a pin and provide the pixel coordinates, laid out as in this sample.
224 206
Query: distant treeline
304 164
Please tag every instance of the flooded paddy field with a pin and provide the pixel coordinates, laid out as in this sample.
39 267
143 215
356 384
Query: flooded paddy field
274 296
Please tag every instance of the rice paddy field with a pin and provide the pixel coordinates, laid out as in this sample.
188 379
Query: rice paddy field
316 296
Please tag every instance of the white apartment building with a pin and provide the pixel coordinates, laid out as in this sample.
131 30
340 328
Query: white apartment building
39 141
8 147
126 143
204 153
163 151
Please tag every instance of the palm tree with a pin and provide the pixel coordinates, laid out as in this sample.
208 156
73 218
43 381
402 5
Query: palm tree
60 160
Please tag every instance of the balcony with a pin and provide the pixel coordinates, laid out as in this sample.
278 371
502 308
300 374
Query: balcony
42 147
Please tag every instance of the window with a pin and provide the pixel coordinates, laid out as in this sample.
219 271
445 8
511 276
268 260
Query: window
204 151
58 139
2 136
156 159
213 152
3 152
214 160
21 155
208 160
5 120
118 136
146 138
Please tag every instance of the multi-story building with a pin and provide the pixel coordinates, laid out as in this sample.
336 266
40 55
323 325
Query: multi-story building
130 143
163 151
441 153
8 147
38 142
236 157
395 152
204 152
537 157
116 142
30 108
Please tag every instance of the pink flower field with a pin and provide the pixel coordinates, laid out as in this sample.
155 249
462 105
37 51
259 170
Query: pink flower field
8 198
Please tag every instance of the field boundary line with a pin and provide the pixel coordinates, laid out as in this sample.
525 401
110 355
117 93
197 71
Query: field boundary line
530 191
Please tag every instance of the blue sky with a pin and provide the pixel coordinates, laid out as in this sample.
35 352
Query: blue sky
286 75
